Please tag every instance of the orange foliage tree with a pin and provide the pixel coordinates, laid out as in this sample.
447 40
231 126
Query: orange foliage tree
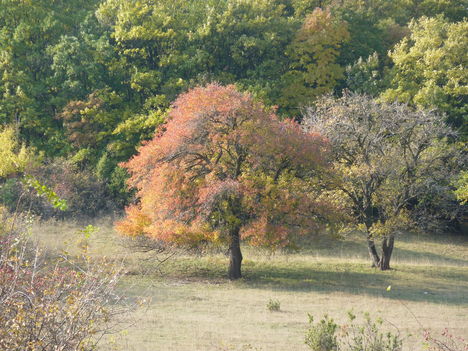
225 168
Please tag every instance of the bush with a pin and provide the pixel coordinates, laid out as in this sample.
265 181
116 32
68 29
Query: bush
322 336
329 336
10 192
273 305
368 336
445 342
52 303
85 195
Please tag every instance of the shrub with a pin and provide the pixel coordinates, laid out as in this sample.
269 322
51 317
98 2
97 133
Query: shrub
329 336
85 195
10 192
368 336
445 342
322 336
273 305
52 304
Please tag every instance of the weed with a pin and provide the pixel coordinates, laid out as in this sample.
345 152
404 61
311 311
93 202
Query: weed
329 336
273 305
322 336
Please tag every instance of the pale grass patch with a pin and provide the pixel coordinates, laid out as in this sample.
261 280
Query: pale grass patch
193 307
227 317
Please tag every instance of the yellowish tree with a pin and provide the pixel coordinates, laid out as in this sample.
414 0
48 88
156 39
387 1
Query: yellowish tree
430 69
15 158
392 165
313 54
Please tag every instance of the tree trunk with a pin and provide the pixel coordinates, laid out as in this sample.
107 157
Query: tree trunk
387 249
372 251
235 260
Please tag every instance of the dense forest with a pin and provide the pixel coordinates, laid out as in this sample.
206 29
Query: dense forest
85 83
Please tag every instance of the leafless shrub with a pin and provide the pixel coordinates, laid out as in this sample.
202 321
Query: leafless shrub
61 304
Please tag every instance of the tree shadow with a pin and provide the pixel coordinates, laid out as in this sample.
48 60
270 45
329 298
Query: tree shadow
356 247
409 283
406 255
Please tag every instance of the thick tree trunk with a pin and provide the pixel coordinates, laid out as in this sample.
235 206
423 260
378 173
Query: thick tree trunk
373 251
387 249
235 260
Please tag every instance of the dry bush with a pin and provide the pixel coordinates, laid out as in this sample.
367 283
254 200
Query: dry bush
446 341
53 303
86 196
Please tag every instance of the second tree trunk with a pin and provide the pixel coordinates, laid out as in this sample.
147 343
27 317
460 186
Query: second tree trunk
235 260
387 248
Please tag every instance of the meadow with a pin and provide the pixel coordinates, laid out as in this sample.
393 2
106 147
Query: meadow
190 305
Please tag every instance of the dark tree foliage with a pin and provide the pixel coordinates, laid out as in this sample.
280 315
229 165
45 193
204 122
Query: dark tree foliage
89 80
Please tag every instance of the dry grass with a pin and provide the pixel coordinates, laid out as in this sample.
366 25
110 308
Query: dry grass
193 307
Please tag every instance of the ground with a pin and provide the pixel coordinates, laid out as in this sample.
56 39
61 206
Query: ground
192 306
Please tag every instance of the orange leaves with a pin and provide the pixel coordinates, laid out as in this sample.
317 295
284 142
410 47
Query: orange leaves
265 234
135 223
224 163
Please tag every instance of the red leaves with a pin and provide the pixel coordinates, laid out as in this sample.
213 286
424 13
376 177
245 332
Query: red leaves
222 162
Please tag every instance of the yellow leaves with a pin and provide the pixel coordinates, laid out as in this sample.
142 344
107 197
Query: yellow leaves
313 53
461 191
430 65
191 236
15 158
135 224
71 300
396 224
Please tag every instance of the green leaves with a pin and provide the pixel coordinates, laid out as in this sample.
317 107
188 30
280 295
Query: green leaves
45 192
430 69
461 185
365 76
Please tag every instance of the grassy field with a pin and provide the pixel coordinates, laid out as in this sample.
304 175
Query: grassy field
193 307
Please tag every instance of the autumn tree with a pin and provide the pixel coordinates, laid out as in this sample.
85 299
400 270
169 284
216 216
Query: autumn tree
388 161
313 53
222 169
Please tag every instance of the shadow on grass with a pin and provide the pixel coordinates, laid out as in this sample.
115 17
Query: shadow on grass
358 249
423 284
442 285
424 256
435 282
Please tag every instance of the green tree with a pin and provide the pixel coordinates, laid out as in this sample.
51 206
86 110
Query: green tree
366 36
365 76
430 69
27 29
169 46
461 190
82 62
